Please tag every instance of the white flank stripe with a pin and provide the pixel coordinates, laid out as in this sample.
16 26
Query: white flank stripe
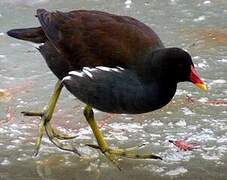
121 68
76 73
87 73
66 78
90 69
103 68
115 70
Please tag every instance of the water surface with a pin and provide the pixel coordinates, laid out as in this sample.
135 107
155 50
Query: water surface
199 26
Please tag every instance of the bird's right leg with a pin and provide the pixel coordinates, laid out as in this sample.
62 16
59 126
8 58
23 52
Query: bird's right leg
112 153
46 116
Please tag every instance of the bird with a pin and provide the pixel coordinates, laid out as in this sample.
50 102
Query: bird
113 63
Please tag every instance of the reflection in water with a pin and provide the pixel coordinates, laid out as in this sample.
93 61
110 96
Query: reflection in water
26 84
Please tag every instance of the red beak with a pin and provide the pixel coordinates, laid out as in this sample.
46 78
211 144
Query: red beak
195 79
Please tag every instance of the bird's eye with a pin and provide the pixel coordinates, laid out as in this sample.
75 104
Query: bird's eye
180 65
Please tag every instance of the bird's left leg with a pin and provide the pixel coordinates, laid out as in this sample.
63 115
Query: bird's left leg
45 125
111 153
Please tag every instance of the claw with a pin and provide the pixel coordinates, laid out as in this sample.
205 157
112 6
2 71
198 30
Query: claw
93 146
53 136
156 157
62 136
25 113
111 153
46 116
55 141
76 151
128 153
113 159
39 138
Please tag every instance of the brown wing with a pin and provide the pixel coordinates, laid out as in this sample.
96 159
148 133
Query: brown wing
91 38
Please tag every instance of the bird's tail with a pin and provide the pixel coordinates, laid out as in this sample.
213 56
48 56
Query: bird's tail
35 35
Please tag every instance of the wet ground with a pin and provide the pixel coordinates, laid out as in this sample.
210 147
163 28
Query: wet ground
198 26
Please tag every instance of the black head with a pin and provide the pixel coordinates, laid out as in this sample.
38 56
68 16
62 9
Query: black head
174 65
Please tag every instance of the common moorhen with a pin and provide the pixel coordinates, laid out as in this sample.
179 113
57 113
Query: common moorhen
113 63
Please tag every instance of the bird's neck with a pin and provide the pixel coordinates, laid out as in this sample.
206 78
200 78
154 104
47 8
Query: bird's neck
164 92
160 86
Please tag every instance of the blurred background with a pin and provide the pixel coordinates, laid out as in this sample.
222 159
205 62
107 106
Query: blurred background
26 83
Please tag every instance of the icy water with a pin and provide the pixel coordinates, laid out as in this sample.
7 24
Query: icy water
199 26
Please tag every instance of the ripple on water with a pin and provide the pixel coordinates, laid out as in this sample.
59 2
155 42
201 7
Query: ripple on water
203 100
181 123
216 83
24 157
128 3
174 156
157 123
118 135
219 81
202 64
181 92
207 2
222 139
5 162
3 130
130 127
200 18
150 167
26 2
187 111
203 137
84 133
223 60
210 156
177 171
10 147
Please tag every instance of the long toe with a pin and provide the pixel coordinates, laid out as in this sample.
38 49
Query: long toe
134 154
62 136
51 133
55 141
113 153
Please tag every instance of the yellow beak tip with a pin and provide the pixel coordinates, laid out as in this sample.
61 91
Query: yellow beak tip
202 87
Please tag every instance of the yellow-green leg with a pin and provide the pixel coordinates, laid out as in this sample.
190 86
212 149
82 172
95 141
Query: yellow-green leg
111 153
46 116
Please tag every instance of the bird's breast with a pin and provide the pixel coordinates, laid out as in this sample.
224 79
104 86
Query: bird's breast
126 99
117 90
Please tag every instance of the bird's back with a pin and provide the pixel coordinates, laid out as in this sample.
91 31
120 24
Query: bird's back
78 39
90 38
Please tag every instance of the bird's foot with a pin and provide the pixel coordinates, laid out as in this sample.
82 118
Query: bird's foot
127 153
51 133
113 153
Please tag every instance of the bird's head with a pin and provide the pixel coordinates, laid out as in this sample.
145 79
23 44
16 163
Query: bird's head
176 65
